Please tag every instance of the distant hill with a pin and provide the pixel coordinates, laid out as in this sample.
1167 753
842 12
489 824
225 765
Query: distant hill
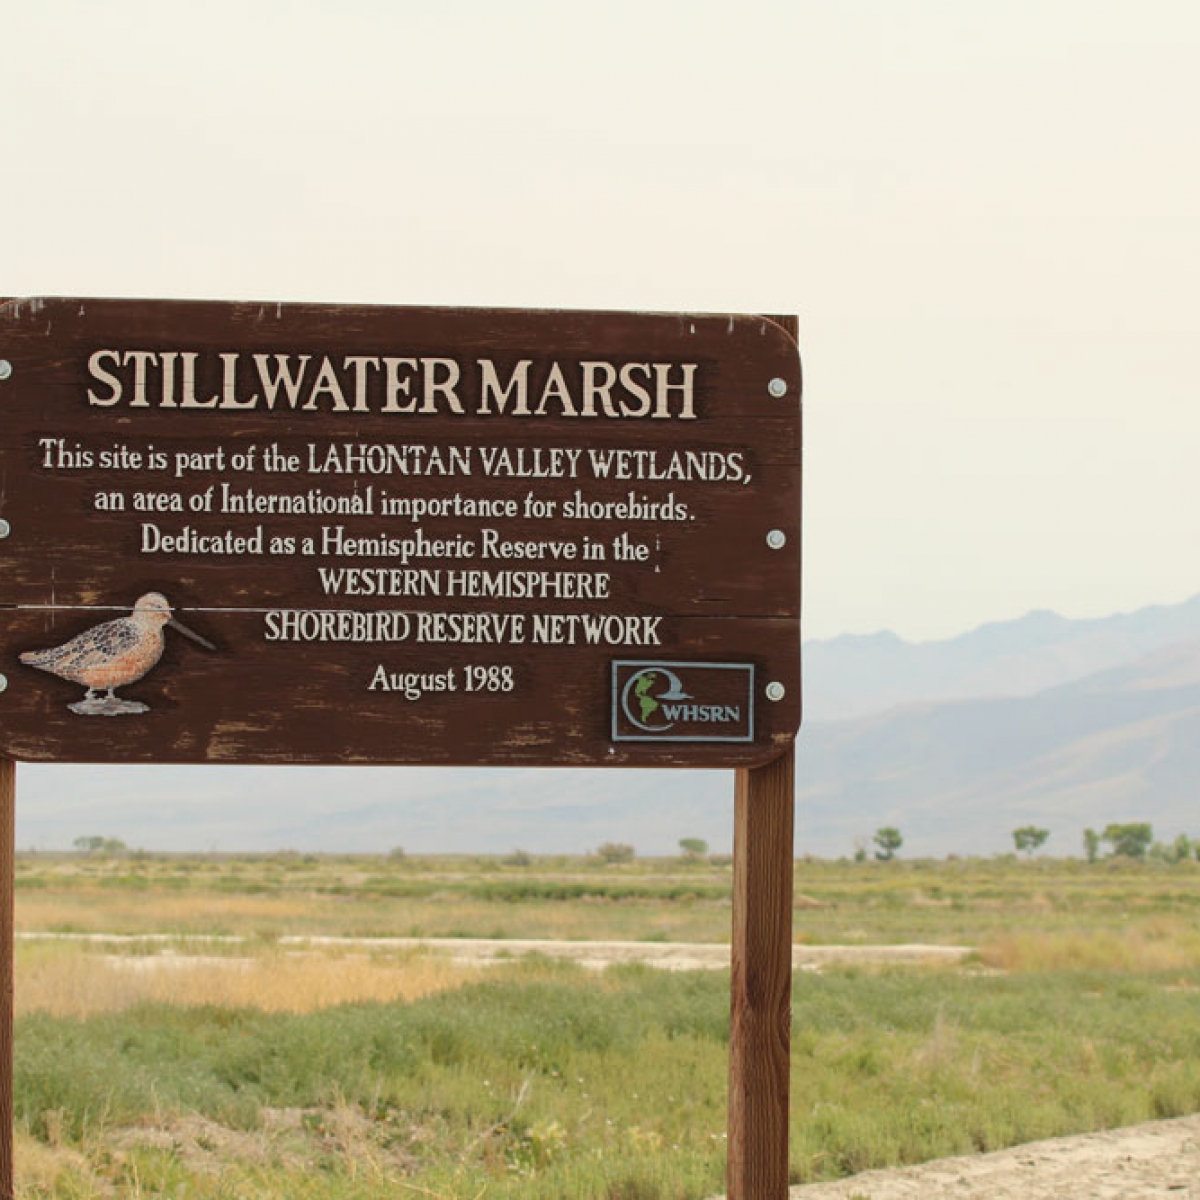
959 776
851 676
1048 721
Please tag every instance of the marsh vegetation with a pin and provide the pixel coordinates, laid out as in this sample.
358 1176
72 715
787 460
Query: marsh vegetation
221 1060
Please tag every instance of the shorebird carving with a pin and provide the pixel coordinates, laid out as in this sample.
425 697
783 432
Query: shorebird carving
113 654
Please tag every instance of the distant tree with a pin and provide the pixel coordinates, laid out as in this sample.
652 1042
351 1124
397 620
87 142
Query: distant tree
693 849
1177 851
616 852
888 840
1130 840
397 854
1030 838
518 858
1091 844
100 845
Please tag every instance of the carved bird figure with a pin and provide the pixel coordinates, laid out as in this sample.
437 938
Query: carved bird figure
113 654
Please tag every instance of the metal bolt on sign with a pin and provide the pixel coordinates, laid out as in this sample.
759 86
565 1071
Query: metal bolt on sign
5 528
776 691
777 387
3 682
6 369
777 539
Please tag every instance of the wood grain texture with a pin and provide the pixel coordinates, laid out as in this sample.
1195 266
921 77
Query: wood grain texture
710 589
760 1003
8 791
761 985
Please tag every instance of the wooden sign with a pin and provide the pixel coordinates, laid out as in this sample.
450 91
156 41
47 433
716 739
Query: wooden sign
397 535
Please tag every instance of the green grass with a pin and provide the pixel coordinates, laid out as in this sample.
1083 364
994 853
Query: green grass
966 901
548 1081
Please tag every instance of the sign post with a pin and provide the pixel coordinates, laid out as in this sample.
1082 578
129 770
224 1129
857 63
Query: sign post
8 799
761 985
329 534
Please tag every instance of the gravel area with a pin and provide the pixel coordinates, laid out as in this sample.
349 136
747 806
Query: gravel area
1158 1159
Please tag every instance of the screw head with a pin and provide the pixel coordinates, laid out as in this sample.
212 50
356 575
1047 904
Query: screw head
3 682
777 539
777 387
5 528
6 368
776 691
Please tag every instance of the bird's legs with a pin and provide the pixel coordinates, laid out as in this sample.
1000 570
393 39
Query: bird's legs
104 702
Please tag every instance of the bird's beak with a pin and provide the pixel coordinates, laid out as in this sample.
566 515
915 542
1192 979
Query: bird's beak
176 623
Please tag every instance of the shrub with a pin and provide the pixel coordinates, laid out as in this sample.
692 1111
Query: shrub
616 852
1131 840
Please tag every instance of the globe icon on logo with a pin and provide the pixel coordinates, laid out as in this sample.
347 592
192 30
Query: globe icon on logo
643 695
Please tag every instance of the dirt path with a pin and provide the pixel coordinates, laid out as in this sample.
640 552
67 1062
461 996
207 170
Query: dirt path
671 956
1161 1158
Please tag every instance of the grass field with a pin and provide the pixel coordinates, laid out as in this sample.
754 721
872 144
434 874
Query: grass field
242 1068
970 901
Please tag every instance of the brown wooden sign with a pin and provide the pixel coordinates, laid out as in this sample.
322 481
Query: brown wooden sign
398 535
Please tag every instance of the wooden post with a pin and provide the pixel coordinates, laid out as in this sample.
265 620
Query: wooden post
8 810
760 1026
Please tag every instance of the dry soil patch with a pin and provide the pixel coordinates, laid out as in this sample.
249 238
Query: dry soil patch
674 956
1158 1159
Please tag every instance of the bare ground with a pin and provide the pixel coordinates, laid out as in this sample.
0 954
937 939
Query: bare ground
673 956
1160 1158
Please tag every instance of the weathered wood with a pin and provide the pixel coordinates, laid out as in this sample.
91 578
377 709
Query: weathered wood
639 476
218 707
8 791
760 1010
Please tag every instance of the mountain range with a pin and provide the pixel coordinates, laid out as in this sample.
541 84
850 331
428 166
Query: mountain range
853 675
1064 724
959 775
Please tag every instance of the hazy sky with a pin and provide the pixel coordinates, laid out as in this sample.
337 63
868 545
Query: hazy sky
985 215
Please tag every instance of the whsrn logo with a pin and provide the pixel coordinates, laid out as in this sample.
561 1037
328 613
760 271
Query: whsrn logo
693 702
